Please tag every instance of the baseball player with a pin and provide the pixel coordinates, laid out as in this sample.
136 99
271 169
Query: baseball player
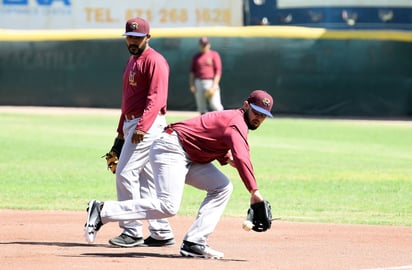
184 154
204 78
145 90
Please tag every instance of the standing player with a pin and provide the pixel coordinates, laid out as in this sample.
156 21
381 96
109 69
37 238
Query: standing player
204 78
145 90
184 154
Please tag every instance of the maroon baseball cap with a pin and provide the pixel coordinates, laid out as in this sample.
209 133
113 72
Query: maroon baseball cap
261 101
204 41
137 27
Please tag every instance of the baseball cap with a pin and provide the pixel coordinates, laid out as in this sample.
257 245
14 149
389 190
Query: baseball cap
137 27
204 41
261 101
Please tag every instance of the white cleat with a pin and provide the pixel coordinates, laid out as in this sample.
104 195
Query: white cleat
93 222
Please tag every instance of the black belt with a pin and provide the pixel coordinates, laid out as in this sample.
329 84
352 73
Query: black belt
130 117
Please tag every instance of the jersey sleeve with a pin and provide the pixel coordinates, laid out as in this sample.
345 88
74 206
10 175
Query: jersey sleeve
217 62
120 125
241 156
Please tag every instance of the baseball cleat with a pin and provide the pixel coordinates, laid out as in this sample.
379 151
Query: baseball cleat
94 221
125 240
189 249
151 242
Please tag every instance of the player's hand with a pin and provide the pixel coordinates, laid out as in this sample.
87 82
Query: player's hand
256 197
192 89
229 159
138 136
231 162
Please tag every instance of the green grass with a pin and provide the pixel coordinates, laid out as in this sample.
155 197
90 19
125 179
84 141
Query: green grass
314 170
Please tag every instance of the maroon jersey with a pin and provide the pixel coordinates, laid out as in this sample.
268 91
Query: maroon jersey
145 88
206 65
211 135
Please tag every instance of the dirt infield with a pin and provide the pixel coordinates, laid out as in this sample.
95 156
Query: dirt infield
54 240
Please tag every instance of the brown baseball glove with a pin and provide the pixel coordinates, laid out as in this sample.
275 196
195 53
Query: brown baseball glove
209 93
112 158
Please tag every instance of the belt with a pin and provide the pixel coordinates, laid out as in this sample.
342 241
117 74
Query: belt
169 130
130 117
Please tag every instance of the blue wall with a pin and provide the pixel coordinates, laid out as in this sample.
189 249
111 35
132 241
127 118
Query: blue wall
344 16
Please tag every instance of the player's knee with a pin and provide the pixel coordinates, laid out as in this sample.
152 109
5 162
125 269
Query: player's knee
224 191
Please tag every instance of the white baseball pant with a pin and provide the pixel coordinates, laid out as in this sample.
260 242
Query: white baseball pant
134 177
201 101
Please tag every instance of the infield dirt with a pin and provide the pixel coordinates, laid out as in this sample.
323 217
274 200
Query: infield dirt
54 240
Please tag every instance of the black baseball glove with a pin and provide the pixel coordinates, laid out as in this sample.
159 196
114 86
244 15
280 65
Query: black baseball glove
112 158
260 214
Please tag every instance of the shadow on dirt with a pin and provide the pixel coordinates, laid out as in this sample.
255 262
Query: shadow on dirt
150 254
57 244
110 254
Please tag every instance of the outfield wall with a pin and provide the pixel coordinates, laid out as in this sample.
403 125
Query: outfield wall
308 71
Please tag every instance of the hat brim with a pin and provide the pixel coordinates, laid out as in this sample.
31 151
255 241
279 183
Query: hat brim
261 110
134 34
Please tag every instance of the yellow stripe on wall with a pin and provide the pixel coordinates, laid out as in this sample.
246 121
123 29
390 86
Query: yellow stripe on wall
246 31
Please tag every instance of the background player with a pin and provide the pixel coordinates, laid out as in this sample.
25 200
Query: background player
204 77
184 154
144 97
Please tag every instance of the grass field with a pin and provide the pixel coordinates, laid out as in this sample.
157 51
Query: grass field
317 170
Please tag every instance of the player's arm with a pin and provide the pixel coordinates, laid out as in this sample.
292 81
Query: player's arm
192 75
120 126
239 149
216 81
217 65
192 82
241 159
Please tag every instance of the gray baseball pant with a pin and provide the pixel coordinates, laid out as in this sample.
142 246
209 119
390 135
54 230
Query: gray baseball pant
172 169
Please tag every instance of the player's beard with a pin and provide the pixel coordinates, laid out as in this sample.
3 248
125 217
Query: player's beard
248 121
136 50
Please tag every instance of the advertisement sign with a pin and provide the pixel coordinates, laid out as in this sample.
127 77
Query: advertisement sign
342 3
90 14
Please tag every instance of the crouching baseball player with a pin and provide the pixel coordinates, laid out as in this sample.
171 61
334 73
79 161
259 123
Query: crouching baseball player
183 154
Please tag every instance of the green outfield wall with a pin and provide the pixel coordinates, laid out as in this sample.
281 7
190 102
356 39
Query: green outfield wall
308 71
